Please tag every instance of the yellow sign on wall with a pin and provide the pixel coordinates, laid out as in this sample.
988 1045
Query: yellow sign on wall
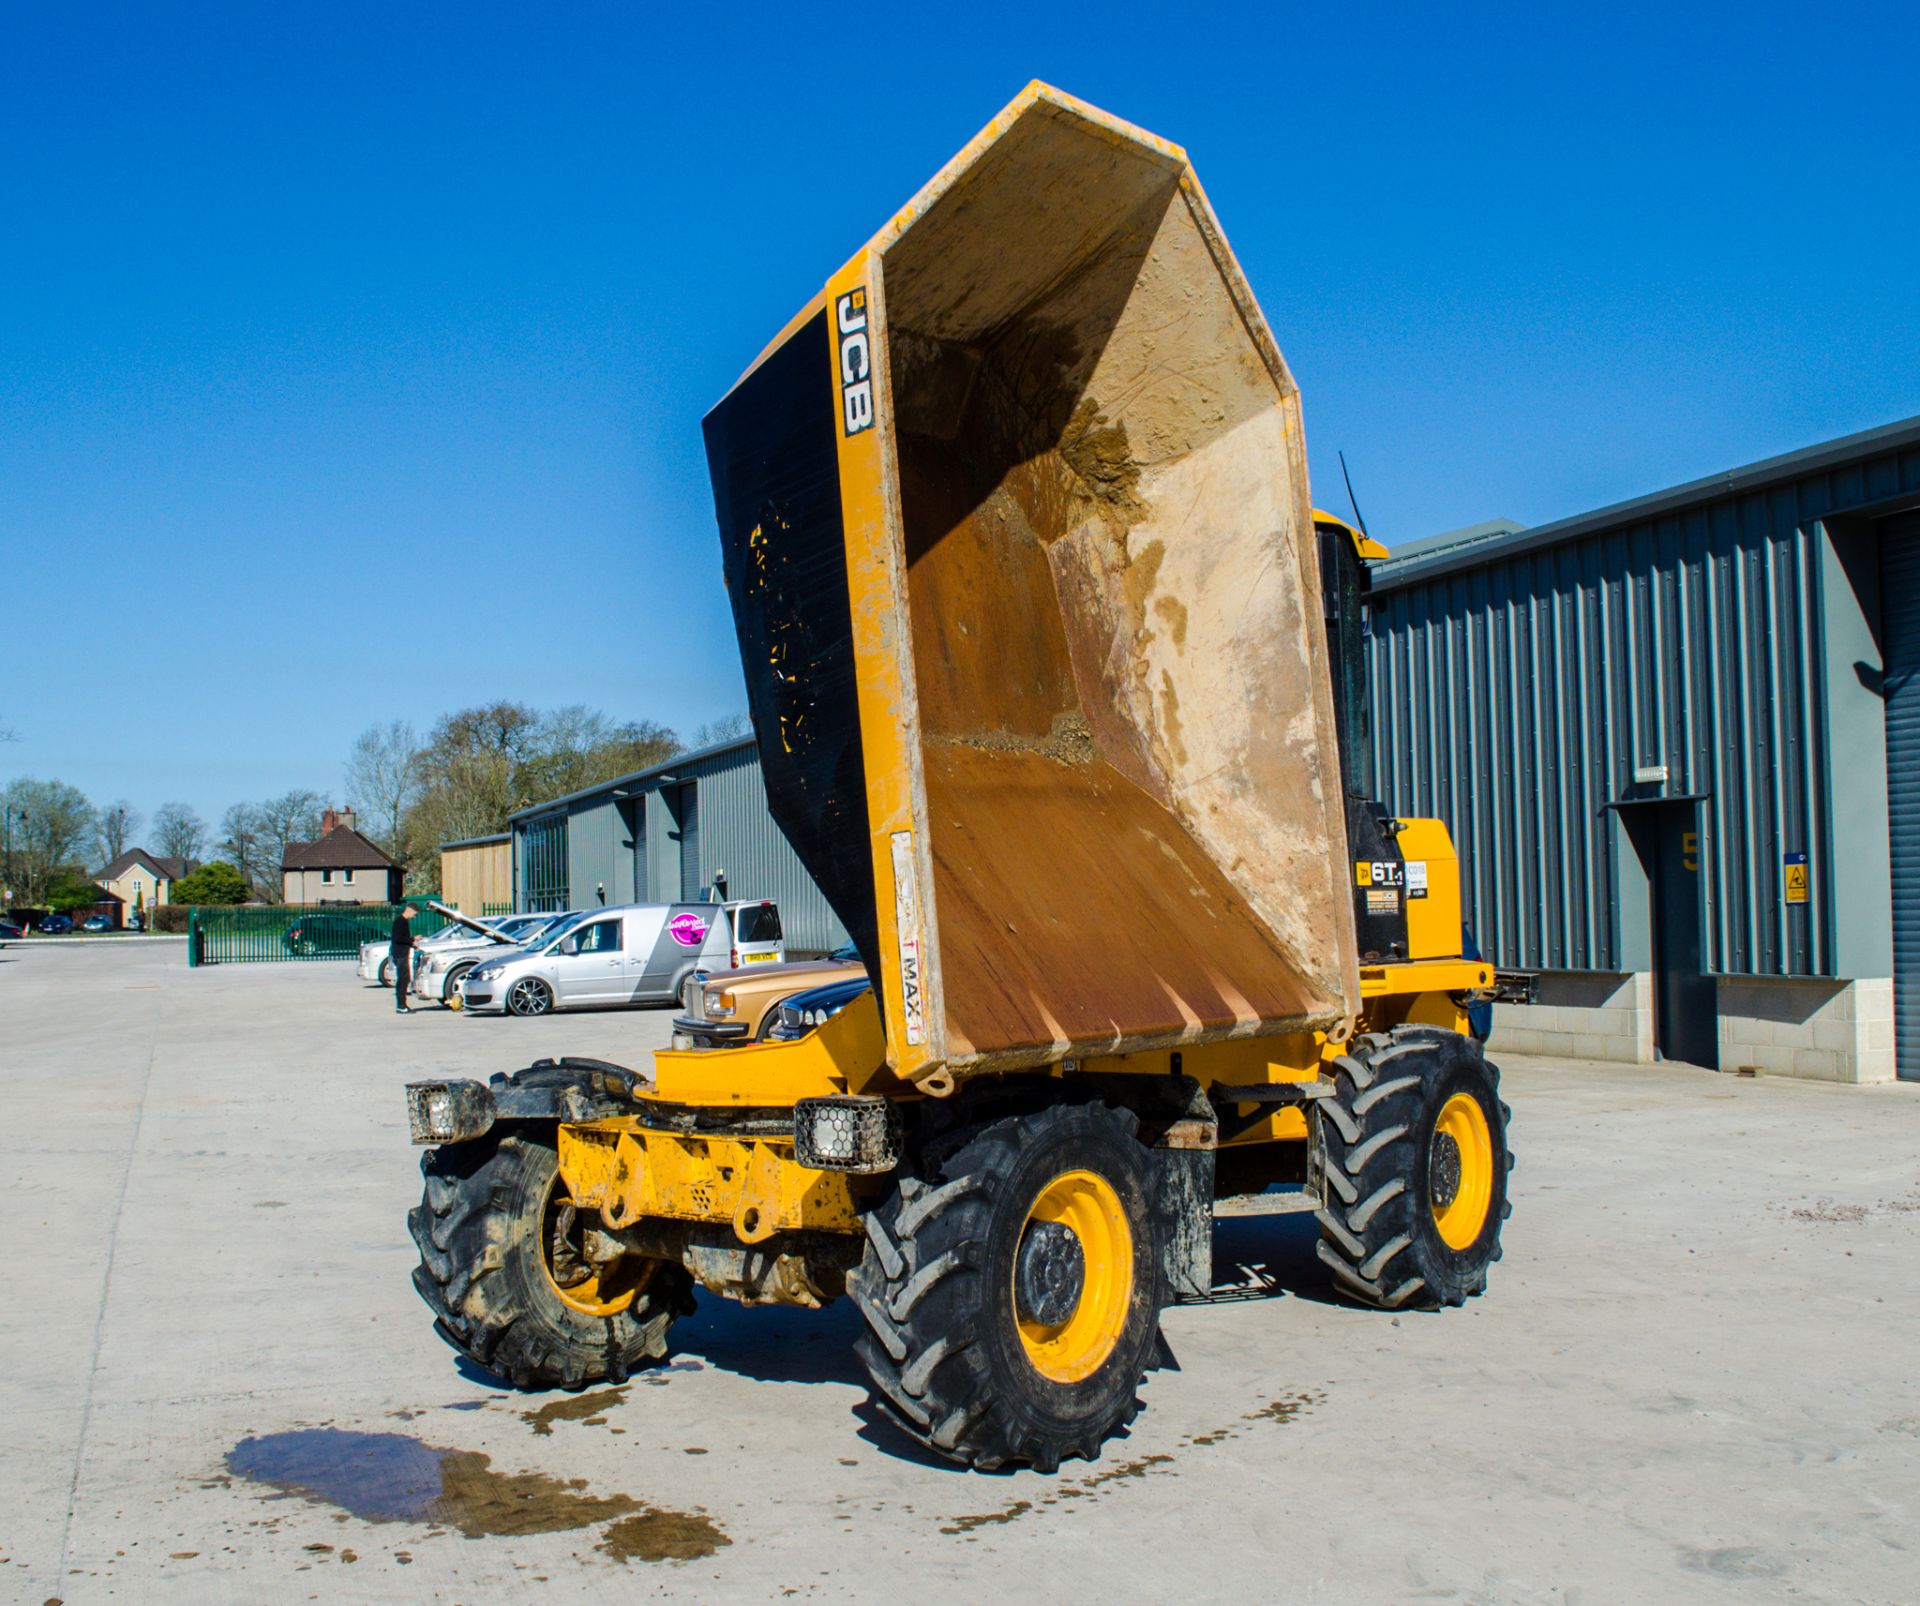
1793 870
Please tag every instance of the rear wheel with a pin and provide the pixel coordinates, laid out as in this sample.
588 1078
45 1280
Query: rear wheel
529 996
501 1269
1011 1292
1413 1162
386 973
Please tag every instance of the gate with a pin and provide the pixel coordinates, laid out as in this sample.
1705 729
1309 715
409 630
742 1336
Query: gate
250 934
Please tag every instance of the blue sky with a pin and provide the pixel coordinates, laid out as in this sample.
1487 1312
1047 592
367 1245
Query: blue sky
354 357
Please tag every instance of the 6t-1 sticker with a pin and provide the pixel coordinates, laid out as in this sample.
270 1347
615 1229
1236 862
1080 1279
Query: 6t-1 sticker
856 361
1380 873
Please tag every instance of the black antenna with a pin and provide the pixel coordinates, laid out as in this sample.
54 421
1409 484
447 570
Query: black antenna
1359 518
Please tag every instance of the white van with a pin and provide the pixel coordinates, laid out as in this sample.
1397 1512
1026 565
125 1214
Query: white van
640 954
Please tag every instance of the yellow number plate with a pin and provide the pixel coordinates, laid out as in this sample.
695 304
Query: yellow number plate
754 959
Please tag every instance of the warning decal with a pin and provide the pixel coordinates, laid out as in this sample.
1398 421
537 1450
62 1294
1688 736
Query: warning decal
1793 871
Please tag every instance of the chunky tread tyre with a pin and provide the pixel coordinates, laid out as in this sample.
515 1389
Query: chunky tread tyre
482 1270
935 1287
1373 1144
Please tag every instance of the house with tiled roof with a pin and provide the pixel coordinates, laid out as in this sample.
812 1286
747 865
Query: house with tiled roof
340 866
143 880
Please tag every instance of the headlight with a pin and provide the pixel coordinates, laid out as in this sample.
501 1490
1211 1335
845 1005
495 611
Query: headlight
435 966
719 1003
448 1112
483 972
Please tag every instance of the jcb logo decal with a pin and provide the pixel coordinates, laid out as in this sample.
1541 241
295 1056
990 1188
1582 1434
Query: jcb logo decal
856 362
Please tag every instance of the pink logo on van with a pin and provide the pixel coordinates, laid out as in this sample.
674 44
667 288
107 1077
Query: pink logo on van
689 930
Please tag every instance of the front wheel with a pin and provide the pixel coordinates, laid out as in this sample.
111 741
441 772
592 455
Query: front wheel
529 996
501 1270
1011 1292
386 974
1412 1156
451 996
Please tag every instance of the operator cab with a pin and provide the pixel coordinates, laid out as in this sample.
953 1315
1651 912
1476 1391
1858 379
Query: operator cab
1344 583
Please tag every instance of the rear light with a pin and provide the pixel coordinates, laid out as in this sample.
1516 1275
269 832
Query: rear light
733 958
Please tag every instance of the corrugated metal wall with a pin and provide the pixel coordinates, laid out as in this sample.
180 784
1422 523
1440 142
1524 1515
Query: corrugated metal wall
737 834
1513 699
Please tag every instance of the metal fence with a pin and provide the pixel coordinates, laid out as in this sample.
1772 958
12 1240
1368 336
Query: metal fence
489 910
251 934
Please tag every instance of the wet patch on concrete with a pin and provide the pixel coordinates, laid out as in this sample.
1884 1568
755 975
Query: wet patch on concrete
657 1375
656 1535
393 1477
590 1409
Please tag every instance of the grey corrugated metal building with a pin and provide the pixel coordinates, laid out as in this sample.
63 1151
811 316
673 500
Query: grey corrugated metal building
1677 742
662 834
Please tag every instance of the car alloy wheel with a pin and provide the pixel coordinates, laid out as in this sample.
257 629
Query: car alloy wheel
529 996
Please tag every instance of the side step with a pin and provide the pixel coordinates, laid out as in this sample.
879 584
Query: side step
1265 1204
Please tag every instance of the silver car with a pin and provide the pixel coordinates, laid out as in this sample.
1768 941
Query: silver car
643 953
439 971
376 957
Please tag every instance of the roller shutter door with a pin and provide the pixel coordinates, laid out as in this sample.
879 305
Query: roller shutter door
690 888
1900 631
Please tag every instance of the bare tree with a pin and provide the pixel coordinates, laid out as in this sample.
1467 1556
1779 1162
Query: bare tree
116 826
723 729
178 832
291 817
244 845
383 779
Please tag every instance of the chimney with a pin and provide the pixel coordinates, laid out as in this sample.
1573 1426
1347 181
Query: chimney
329 818
345 817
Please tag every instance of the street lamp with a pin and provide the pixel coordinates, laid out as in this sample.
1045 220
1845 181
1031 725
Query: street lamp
12 813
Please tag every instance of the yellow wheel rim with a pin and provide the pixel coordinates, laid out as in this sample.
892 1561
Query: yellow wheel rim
601 1293
1460 1171
1076 1347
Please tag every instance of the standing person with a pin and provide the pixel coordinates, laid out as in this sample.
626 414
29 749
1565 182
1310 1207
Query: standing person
400 950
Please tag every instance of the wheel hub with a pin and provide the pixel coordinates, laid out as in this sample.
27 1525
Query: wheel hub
1050 1274
1443 1170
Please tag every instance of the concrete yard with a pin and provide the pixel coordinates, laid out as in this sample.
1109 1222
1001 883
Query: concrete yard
1694 1377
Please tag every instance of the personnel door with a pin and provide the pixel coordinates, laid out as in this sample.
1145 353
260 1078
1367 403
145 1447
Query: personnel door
1686 1014
590 967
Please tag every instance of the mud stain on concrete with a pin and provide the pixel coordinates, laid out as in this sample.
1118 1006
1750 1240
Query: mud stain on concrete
988 1519
1289 1408
657 1535
588 1408
393 1477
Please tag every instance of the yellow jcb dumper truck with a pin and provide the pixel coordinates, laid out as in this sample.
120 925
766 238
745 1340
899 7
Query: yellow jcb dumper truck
1054 675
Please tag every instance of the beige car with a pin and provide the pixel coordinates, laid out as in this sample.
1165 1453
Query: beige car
729 1007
